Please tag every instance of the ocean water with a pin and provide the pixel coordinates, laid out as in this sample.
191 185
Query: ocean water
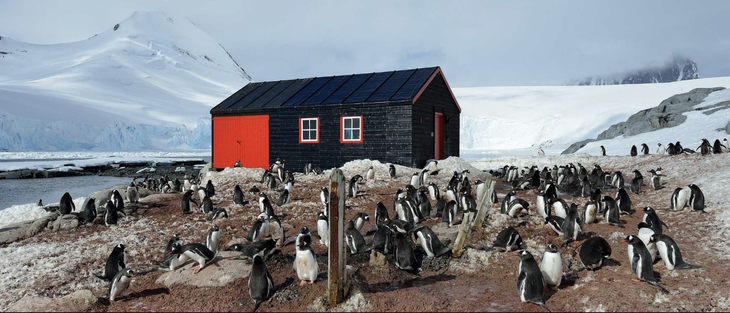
29 191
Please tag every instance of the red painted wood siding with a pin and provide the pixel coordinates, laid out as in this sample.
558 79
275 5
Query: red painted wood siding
244 138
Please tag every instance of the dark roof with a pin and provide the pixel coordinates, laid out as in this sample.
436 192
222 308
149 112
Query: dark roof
394 87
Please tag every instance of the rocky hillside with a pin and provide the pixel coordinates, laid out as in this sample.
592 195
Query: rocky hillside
675 70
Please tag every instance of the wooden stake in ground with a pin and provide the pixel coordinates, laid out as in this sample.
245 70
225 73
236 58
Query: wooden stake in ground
337 277
483 206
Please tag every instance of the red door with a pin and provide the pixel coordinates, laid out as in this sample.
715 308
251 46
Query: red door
438 137
244 138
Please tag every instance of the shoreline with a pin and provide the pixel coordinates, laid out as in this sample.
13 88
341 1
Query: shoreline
132 169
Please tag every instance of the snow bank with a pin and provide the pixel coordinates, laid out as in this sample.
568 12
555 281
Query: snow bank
28 212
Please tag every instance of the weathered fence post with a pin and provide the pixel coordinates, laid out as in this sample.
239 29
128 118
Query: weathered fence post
337 277
484 200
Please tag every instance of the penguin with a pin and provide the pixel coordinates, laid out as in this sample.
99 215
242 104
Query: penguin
238 195
530 283
644 149
603 151
725 145
276 230
651 218
669 252
209 188
391 171
198 253
404 258
217 213
202 193
556 224
705 147
671 150
593 252
516 206
610 211
540 203
115 262
540 152
590 212
237 164
206 206
120 283
641 262
696 198
403 211
324 196
383 239
88 215
440 205
117 200
678 147
174 239
400 226
617 179
572 225
717 147
623 201
40 202
212 238
660 149
433 191
260 284
353 186
635 185
423 177
370 175
360 219
644 233
551 266
323 229
557 207
633 151
424 204
381 214
66 206
132 193
254 191
283 198
654 180
110 214
305 263
187 201
354 239
679 199
506 201
507 240
266 207
266 247
415 179
259 230
450 213
430 242
307 168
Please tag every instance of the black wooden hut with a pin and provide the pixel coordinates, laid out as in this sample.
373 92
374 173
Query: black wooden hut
404 117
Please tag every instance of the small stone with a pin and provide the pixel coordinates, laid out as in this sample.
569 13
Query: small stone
377 259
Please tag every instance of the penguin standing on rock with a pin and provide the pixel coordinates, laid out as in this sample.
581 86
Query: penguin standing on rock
120 283
530 283
641 262
551 266
117 200
696 198
198 253
66 206
260 284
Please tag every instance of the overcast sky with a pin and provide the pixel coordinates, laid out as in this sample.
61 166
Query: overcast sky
477 43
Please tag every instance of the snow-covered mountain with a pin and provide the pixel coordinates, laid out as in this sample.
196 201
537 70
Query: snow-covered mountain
677 69
146 83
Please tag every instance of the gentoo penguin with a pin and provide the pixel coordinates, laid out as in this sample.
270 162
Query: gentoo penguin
433 191
430 242
516 206
260 284
705 147
424 205
266 207
557 207
725 145
645 233
403 211
324 195
641 262
530 283
360 219
440 205
652 219
623 201
276 230
199 253
635 185
206 206
507 240
323 229
305 263
593 251
671 150
551 266
572 225
540 203
117 200
174 239
381 214
88 215
116 262
353 186
679 199
238 195
370 175
617 179
696 198
450 212
400 226
423 177
132 193
654 180
110 214
678 147
603 151
415 179
209 188
404 258
391 171
213 238
660 149
354 239
610 211
506 201
383 239
266 247
556 224
202 193
186 204
307 168
260 229
590 212
717 146
633 151
644 149
217 213
540 152
237 164
669 252
40 202
120 283
283 198
66 206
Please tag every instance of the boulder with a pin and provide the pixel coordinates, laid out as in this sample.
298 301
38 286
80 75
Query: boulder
23 230
67 221
727 127
217 273
78 301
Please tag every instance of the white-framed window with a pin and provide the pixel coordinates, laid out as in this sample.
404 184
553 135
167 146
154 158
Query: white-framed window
351 129
309 130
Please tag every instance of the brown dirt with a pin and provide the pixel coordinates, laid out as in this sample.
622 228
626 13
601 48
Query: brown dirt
490 288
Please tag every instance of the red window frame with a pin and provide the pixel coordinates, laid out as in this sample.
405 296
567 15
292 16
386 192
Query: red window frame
300 129
342 129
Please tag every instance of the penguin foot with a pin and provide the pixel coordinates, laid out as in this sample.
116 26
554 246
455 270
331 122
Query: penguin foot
198 270
311 282
302 283
636 280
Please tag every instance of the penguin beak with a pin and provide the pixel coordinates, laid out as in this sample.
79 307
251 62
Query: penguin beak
623 240
648 244
515 253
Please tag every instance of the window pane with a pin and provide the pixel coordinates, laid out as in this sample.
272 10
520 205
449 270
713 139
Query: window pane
305 124
348 123
313 135
356 135
313 124
348 134
355 123
305 135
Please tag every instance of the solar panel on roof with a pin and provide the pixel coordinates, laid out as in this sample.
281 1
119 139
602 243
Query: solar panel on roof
307 91
413 84
255 94
326 90
288 92
367 88
390 86
271 93
236 102
347 89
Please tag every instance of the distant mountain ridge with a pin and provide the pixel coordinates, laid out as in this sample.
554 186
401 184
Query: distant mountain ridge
677 69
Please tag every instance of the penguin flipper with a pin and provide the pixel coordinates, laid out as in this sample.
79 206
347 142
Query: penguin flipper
544 306
256 305
686 265
656 284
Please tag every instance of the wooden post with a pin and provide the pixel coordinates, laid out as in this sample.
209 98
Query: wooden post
337 277
464 230
484 204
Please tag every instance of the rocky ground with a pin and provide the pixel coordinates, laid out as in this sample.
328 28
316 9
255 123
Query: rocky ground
477 281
